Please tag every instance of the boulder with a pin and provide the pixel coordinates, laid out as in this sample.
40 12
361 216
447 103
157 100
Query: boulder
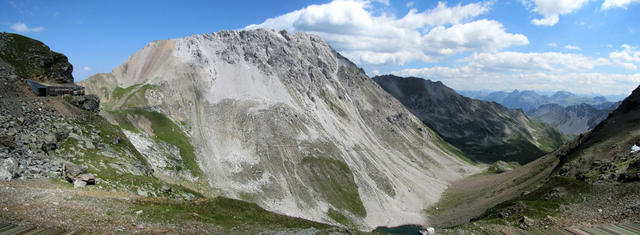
61 135
8 142
517 208
8 169
11 131
50 142
79 184
77 175
88 178
166 189
71 171
142 192
500 167
89 145
86 102
526 222
629 177
555 193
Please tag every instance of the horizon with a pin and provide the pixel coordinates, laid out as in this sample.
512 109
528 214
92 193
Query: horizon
584 47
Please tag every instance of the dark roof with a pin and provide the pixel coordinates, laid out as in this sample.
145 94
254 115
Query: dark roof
67 85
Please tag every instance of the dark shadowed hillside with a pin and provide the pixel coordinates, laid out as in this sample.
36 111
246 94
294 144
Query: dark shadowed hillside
485 131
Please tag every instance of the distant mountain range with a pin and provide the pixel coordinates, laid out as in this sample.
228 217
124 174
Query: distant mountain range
484 131
573 119
529 100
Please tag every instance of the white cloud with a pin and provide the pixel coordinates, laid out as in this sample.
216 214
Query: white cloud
572 47
531 71
466 78
86 68
531 62
23 28
546 21
442 15
608 4
552 44
627 58
410 4
552 9
352 28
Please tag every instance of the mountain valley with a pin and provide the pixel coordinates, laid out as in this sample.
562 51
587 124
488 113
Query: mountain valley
270 132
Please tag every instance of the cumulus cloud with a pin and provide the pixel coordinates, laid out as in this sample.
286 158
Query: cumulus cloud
532 62
23 28
467 78
572 47
537 71
608 4
627 58
552 9
352 28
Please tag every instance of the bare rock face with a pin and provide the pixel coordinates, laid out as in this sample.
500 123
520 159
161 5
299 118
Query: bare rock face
32 59
285 121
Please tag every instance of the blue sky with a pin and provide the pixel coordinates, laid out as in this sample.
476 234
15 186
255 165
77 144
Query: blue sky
583 46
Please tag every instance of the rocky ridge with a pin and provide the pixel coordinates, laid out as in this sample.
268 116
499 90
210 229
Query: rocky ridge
484 131
573 119
32 59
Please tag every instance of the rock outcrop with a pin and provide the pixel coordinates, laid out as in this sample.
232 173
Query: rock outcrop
86 102
32 59
284 121
484 131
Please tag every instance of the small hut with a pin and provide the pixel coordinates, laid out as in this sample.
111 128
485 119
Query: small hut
48 89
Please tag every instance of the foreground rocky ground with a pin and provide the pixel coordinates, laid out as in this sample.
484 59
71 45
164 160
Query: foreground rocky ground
31 132
57 205
561 205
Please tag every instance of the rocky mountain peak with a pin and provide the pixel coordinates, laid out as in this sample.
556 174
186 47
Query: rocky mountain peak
285 121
